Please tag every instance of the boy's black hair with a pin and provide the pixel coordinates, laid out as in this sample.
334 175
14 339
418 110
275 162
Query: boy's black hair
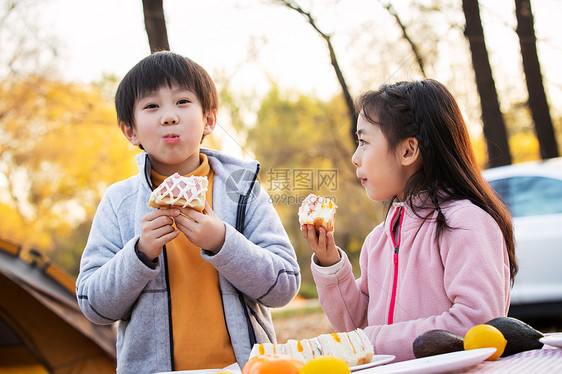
156 70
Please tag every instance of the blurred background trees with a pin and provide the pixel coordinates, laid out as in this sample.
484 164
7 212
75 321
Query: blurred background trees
60 146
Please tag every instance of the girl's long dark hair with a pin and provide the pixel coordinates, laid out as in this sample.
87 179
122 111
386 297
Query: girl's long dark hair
427 111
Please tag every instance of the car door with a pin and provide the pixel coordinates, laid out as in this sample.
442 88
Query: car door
536 205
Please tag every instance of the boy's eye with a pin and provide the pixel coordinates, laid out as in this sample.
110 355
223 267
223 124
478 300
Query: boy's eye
183 101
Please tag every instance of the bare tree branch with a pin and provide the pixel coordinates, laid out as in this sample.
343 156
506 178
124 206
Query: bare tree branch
419 58
333 60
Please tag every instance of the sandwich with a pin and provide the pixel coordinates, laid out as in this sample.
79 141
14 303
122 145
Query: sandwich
180 191
352 347
318 211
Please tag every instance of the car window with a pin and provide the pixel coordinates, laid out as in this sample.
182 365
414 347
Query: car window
529 196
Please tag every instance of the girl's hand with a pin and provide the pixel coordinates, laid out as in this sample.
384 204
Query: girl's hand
322 244
205 230
157 230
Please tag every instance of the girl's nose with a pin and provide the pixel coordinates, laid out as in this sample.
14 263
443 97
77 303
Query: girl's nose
355 158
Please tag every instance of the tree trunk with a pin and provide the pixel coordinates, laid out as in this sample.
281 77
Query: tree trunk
538 102
494 126
155 25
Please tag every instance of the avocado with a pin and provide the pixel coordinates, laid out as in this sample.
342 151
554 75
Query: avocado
435 342
519 335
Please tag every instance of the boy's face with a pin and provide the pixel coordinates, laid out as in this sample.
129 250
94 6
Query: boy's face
169 124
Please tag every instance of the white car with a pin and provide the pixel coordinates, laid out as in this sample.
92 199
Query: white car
533 192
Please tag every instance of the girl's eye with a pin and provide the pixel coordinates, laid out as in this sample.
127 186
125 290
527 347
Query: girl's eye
150 106
361 142
183 101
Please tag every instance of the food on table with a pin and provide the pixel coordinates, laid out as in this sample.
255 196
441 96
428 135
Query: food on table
180 191
272 364
484 336
507 334
520 336
325 365
435 342
318 211
353 347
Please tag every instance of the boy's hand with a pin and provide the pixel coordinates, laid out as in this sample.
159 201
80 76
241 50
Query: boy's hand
205 230
322 244
157 230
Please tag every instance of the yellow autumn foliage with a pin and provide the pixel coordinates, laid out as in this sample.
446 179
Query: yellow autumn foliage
60 147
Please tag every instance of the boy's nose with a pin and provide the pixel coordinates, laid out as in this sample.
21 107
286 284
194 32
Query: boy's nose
169 119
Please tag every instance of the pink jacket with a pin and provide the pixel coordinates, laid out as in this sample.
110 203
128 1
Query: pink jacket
458 283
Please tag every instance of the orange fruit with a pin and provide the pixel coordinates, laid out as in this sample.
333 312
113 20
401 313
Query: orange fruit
325 365
484 336
273 364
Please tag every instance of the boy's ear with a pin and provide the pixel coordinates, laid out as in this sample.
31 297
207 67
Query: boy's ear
210 122
129 133
409 151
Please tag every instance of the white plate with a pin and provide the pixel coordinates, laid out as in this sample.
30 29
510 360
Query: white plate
234 369
444 363
554 339
377 360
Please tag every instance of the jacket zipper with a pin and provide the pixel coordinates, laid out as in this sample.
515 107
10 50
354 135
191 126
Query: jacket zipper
171 329
400 210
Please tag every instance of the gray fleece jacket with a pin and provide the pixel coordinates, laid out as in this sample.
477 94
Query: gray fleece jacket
257 267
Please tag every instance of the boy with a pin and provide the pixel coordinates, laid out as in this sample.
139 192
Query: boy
190 290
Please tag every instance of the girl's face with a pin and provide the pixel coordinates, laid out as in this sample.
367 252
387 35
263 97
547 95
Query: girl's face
379 168
169 123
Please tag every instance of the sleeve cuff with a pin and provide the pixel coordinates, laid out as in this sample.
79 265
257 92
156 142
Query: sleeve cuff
144 258
328 270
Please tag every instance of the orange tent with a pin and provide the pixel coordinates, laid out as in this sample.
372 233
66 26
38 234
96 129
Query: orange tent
42 330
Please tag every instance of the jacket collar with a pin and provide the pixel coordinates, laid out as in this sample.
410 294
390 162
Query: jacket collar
422 204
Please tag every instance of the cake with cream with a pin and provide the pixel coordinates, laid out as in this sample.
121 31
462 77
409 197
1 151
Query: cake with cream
180 191
353 347
318 211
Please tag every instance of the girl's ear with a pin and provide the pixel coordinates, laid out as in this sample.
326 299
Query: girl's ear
409 151
129 133
210 122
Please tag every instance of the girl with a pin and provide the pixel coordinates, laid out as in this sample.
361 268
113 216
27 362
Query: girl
444 256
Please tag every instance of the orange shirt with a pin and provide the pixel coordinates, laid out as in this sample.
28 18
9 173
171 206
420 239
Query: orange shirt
200 336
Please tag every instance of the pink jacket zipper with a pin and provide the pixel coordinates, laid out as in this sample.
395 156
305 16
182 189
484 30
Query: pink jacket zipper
396 249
